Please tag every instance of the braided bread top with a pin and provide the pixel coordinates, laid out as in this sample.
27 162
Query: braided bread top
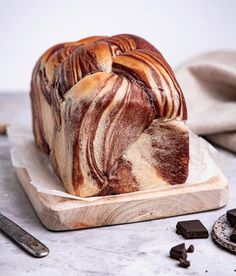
63 65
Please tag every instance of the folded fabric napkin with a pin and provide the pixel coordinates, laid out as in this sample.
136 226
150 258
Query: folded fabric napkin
209 85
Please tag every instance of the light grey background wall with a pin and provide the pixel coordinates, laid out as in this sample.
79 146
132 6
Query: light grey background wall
179 28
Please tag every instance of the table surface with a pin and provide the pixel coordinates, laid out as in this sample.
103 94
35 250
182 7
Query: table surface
130 249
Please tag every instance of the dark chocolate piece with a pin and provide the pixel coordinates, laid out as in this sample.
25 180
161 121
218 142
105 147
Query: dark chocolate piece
231 217
190 249
184 263
192 229
178 251
233 235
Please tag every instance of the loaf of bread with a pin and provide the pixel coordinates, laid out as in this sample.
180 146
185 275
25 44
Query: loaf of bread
111 116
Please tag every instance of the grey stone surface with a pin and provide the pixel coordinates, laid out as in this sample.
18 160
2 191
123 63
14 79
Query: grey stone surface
131 249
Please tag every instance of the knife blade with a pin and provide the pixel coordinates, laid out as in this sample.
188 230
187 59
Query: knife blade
22 238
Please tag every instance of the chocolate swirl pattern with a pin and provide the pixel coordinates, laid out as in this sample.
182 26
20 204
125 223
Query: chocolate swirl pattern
111 116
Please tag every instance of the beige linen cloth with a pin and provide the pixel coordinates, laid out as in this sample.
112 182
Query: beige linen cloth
209 85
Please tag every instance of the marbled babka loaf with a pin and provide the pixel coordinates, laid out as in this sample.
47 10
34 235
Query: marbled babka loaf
111 116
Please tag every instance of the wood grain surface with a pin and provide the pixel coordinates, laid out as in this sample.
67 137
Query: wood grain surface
58 213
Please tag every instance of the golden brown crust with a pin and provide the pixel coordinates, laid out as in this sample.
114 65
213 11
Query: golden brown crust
96 99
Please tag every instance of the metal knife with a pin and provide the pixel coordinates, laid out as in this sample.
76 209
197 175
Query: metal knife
22 238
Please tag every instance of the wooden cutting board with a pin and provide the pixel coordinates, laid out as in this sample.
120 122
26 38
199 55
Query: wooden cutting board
58 213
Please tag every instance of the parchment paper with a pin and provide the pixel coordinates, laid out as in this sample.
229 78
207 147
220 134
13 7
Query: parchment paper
205 162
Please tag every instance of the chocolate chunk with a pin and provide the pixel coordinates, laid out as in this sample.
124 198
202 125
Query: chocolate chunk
233 235
184 263
191 229
190 249
231 217
178 251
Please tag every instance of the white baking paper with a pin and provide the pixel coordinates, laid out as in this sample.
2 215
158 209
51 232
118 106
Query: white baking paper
205 162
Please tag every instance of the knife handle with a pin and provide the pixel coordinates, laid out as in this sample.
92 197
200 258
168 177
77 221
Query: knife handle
22 238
